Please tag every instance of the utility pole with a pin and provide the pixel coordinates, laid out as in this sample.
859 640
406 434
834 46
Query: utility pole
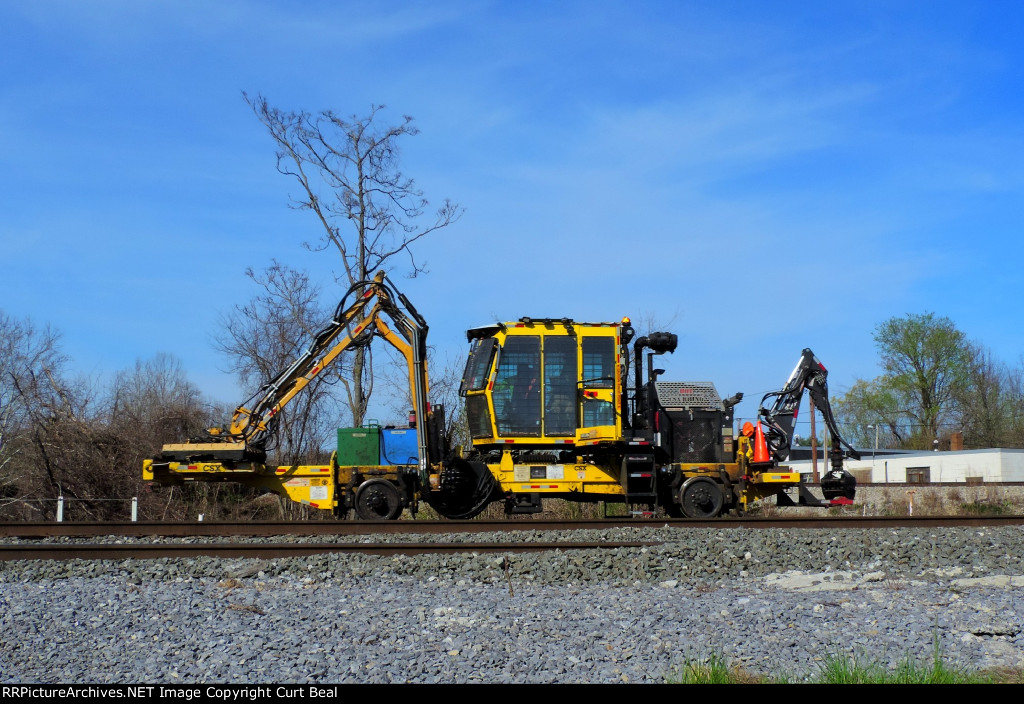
814 445
874 450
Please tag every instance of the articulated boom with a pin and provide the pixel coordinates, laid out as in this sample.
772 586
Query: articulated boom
352 326
811 376
374 489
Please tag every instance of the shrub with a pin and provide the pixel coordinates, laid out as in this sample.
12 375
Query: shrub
981 508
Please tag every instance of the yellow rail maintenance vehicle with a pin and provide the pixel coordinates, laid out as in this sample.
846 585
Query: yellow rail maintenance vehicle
551 412
554 413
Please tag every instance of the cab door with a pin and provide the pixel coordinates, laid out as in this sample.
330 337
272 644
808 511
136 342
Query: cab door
598 390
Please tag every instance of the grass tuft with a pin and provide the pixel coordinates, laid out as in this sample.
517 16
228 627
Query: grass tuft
715 669
846 669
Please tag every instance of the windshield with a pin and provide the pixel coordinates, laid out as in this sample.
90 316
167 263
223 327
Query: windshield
478 365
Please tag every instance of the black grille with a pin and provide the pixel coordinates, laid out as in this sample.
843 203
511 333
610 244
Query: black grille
696 440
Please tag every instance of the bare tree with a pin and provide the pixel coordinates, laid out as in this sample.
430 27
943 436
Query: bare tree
1015 393
264 337
70 437
991 402
57 443
148 405
157 399
30 365
370 212
983 402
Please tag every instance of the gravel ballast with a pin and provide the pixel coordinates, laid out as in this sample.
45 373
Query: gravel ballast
772 601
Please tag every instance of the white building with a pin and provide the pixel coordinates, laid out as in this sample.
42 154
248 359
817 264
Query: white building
978 466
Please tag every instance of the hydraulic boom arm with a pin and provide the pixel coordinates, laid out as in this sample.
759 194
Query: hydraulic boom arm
809 375
352 326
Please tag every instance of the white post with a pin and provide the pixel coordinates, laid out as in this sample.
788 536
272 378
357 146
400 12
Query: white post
135 509
60 509
200 518
874 451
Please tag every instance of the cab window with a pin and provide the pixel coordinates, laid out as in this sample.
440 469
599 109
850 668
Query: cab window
517 387
598 362
560 390
478 364
598 373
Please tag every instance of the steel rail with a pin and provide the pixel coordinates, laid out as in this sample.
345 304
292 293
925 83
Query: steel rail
139 551
278 528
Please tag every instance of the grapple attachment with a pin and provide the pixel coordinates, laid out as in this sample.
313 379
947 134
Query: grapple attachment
838 484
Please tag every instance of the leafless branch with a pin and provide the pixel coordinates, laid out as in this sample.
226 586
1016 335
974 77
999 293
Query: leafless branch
348 173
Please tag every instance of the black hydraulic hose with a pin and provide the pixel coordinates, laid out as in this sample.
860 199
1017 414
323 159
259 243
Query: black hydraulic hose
640 403
273 387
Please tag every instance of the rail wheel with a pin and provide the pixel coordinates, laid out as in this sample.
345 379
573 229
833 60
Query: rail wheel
378 500
701 497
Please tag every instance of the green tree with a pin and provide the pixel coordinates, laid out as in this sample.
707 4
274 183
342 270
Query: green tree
872 403
926 362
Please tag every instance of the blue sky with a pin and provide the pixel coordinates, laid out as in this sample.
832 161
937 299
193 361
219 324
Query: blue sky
770 176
